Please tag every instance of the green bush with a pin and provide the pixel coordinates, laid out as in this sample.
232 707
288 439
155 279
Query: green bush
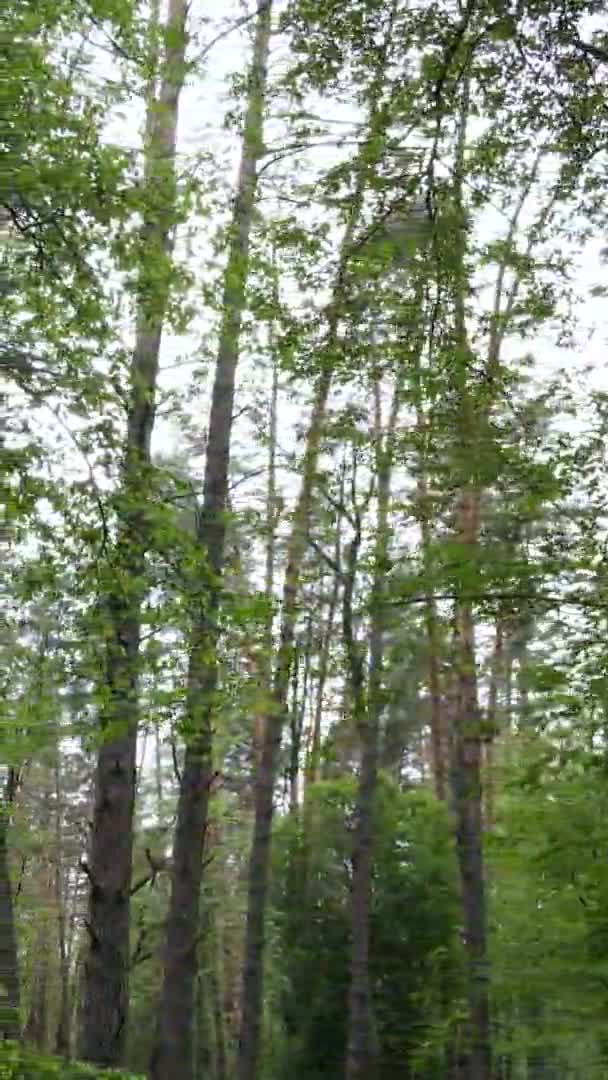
415 958
19 1063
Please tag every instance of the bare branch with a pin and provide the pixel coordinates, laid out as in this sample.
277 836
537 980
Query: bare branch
230 30
176 768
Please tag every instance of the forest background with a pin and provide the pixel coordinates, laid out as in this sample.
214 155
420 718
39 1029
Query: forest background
304 530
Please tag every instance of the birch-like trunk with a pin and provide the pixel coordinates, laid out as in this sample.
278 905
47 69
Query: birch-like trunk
106 969
172 1058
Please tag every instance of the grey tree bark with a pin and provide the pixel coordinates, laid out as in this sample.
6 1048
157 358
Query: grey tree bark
172 1058
9 959
362 1046
109 867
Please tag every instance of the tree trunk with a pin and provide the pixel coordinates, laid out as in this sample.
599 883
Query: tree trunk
271 530
215 989
493 726
253 974
267 770
106 971
438 725
439 733
466 728
36 1029
10 1024
63 1031
313 763
297 720
362 1048
158 775
172 1057
467 796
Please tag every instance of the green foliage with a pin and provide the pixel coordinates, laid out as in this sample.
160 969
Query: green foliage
549 897
19 1063
414 954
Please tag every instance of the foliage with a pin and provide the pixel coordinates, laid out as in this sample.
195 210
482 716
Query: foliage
430 202
549 885
19 1063
414 951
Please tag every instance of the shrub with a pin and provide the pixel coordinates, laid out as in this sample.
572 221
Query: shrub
19 1063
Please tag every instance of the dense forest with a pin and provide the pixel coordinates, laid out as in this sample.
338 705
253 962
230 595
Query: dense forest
304 576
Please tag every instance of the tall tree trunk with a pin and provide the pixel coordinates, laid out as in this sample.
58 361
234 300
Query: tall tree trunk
253 972
215 990
297 719
106 971
495 698
439 733
271 531
10 999
158 775
467 796
438 720
172 1056
63 1031
466 728
36 1030
313 771
313 763
362 1048
471 422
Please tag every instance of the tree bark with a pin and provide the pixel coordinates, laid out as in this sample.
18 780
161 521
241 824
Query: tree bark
215 989
36 1029
172 1058
313 763
297 719
362 1050
438 724
467 797
439 733
10 1025
63 1031
493 725
466 727
267 770
271 531
106 970
158 775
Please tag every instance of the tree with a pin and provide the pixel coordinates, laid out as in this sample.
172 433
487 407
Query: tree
106 994
386 556
172 1055
407 954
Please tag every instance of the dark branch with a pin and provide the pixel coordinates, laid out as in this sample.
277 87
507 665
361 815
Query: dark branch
150 878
